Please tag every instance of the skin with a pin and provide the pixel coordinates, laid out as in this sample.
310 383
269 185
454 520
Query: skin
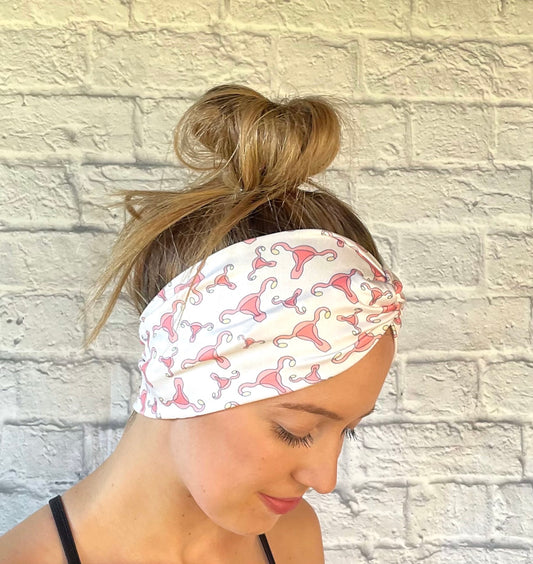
186 491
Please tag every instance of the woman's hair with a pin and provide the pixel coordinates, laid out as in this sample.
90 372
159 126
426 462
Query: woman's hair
254 156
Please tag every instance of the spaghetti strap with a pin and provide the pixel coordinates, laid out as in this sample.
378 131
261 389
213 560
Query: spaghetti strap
266 548
69 546
63 528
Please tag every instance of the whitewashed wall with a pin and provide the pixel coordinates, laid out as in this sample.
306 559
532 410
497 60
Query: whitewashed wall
440 99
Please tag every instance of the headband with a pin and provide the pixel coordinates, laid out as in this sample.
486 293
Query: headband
263 317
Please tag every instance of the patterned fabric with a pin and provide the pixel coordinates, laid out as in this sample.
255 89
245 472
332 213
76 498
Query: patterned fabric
263 317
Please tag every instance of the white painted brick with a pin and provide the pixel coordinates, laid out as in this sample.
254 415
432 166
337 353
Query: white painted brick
120 334
467 325
443 449
171 60
440 388
159 117
385 243
512 508
42 57
459 259
511 76
403 195
338 181
99 444
451 555
39 323
335 515
36 196
96 185
47 13
50 261
165 12
510 262
333 66
342 555
506 389
78 391
528 450
338 15
514 139
443 510
433 70
378 134
378 515
40 452
8 391
448 133
475 17
59 124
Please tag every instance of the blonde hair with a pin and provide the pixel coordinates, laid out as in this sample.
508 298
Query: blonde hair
254 156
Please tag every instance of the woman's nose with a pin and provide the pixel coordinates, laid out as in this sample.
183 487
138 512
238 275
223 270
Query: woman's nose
318 468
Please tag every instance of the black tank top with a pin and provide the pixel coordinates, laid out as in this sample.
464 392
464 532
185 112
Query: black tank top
67 540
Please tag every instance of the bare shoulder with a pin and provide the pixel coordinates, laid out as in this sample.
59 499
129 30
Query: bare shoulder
33 541
297 538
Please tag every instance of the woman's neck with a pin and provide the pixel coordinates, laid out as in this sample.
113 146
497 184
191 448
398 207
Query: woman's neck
134 506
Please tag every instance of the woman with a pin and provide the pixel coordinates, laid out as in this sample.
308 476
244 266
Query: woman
269 324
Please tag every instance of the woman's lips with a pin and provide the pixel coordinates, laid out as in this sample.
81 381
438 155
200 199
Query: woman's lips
279 505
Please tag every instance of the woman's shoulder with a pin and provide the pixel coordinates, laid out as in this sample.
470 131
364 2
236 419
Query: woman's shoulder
297 537
33 541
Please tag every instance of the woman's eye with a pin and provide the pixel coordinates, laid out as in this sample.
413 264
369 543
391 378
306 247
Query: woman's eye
291 439
351 434
306 441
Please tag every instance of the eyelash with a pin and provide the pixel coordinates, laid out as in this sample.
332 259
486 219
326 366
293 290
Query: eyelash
306 441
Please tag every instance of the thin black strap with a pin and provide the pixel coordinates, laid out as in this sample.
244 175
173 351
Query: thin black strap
63 528
266 548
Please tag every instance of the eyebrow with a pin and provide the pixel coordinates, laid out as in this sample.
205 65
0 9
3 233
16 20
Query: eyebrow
317 410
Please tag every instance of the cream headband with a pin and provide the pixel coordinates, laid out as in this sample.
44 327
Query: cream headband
264 317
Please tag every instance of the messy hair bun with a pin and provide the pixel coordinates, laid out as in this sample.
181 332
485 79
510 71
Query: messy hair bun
253 157
250 141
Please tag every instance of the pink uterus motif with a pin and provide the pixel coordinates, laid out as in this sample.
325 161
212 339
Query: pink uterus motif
259 262
195 328
301 255
353 320
221 280
248 341
375 317
168 361
210 353
340 242
198 277
364 342
291 301
143 366
166 322
223 383
250 304
269 378
307 331
341 282
398 286
180 399
311 377
376 273
143 397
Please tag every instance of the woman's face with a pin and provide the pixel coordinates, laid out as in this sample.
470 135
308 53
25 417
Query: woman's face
225 459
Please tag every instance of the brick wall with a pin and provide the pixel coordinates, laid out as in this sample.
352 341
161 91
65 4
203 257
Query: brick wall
437 160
